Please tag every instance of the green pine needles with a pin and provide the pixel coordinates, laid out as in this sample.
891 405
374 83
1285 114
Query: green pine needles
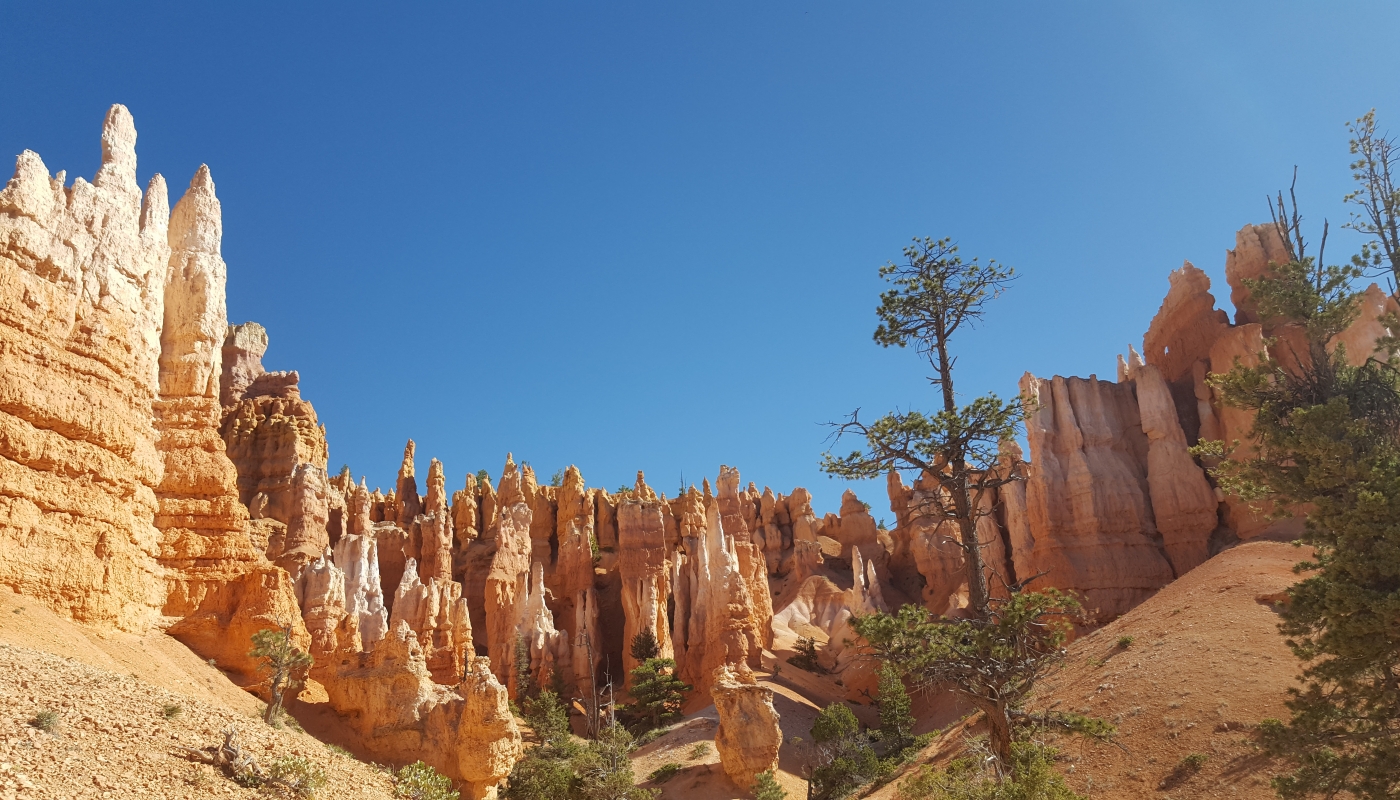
1326 438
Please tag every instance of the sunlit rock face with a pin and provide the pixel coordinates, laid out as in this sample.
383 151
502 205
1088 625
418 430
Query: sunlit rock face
749 735
81 308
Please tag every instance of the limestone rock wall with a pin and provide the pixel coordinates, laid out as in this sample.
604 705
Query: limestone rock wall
644 567
81 307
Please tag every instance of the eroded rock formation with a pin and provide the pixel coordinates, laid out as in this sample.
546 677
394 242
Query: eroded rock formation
81 308
390 699
749 735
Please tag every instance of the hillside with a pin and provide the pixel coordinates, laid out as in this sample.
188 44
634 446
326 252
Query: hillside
113 738
1205 664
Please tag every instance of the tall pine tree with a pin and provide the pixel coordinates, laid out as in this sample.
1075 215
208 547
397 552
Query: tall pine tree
657 693
1326 437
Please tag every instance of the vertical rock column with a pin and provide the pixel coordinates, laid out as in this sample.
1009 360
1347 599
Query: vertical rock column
644 569
219 587
506 583
82 295
578 599
752 562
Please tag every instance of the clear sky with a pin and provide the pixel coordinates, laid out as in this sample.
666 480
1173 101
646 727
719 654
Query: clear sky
645 235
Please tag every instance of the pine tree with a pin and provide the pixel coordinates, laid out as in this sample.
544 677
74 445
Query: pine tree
896 717
605 768
936 294
547 771
844 758
765 787
645 646
284 662
1326 437
547 717
657 693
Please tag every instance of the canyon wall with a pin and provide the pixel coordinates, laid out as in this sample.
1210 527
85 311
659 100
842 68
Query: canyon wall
154 473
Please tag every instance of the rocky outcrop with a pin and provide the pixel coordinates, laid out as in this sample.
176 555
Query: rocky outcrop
269 430
1184 506
1087 502
739 512
644 568
506 583
1256 247
749 735
714 608
389 698
356 555
437 615
547 646
576 595
81 306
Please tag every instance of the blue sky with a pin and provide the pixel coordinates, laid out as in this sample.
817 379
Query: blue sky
645 236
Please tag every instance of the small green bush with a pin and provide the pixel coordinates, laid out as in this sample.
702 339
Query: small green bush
1124 642
700 751
171 710
806 657
338 750
418 781
766 787
1184 771
664 773
651 736
296 775
45 720
967 779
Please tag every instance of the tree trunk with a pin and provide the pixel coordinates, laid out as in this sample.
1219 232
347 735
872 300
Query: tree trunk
998 734
274 703
978 594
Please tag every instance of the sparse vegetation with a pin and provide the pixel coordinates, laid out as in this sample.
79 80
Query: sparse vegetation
664 773
338 750
1124 642
419 781
806 657
993 663
699 751
171 710
292 775
296 775
1183 771
650 736
561 768
971 778
604 769
284 663
45 720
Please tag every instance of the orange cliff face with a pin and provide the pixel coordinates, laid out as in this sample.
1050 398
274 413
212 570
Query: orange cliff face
81 306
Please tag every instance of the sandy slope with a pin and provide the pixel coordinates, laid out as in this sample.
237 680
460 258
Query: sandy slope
113 739
1206 663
